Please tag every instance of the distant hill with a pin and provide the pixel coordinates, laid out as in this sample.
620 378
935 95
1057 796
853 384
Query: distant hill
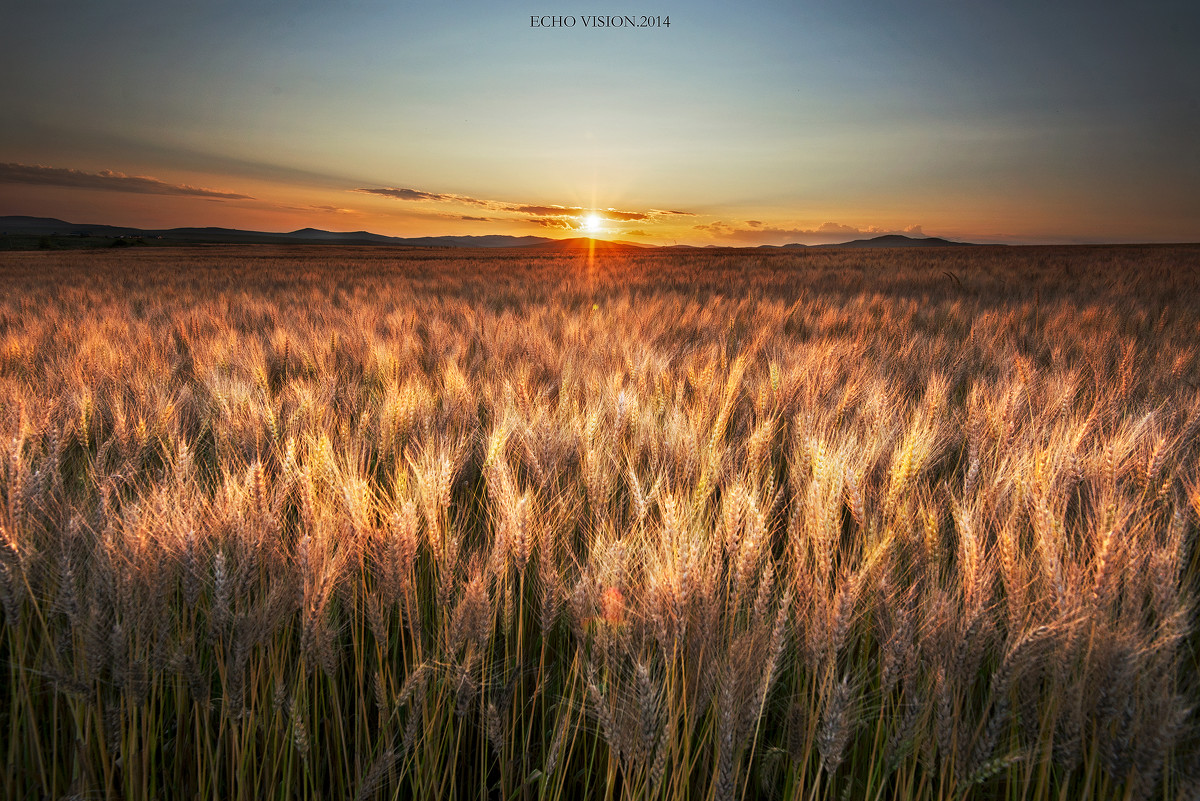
898 241
26 227
884 241
48 226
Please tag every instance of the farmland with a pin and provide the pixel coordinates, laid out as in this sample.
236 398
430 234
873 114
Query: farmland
286 522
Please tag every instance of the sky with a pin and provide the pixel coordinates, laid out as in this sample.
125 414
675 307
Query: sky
737 124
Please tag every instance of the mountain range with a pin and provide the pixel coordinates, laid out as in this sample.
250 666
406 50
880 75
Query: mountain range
25 227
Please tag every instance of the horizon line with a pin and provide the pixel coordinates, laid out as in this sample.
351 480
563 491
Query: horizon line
660 243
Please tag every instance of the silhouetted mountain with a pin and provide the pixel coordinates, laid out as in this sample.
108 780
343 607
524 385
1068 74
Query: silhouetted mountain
317 235
33 223
884 241
17 226
896 241
48 226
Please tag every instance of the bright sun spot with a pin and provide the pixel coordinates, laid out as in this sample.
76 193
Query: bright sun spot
591 222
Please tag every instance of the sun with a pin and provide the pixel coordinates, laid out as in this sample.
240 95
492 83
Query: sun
592 223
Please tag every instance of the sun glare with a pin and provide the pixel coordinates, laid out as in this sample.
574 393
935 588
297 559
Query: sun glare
591 223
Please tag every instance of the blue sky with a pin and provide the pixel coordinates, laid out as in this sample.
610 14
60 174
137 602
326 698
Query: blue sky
763 122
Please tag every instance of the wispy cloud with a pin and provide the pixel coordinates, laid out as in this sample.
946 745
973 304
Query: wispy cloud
109 180
547 215
612 215
566 223
756 232
623 216
403 194
334 209
545 211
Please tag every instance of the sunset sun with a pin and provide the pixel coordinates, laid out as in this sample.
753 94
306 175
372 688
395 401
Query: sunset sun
591 223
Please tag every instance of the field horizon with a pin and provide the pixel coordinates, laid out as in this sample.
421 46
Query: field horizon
21 232
783 523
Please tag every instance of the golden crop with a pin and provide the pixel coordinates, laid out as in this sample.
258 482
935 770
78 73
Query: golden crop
338 522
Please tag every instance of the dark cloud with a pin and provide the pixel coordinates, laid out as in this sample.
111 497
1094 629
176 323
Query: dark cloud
551 215
149 148
404 194
756 232
38 175
555 222
621 216
546 211
475 219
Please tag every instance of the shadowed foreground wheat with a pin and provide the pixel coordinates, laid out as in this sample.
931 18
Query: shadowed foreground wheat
371 524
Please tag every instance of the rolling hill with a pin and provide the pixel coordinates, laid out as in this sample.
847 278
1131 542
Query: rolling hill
18 228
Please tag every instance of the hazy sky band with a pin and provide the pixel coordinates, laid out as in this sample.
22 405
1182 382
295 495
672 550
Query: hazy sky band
1017 122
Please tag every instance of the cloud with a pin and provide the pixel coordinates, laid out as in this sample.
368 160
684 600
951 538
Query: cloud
475 219
39 175
546 211
756 232
334 209
403 194
613 215
549 215
566 223
622 216
870 230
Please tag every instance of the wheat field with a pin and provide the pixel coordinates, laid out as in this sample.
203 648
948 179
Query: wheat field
826 524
